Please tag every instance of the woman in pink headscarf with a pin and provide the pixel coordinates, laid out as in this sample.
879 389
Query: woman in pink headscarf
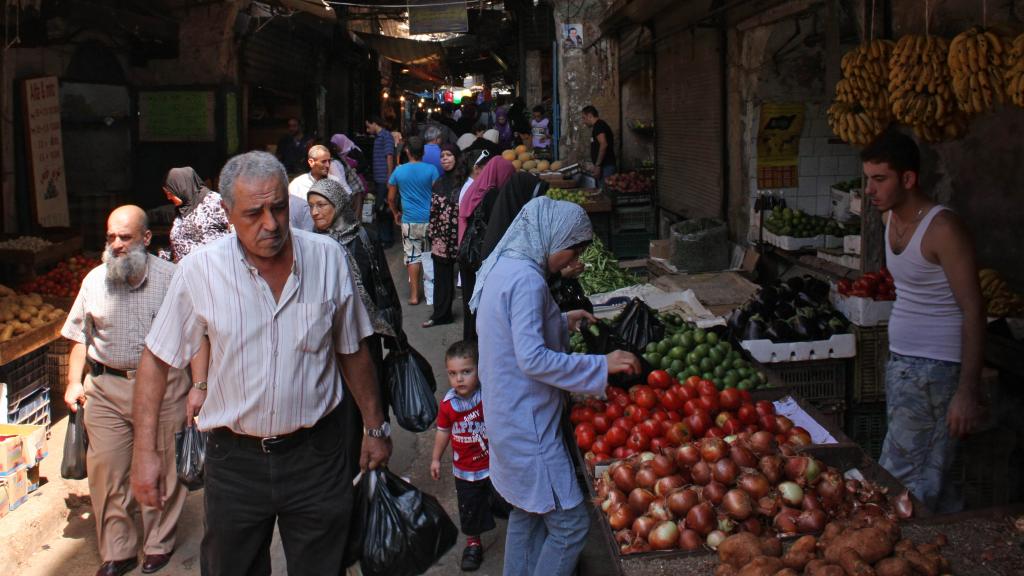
346 166
482 194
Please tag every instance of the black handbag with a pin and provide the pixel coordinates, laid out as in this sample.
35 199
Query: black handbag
472 247
388 309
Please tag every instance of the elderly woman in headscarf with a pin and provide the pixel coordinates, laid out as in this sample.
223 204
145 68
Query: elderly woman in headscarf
200 217
443 231
525 350
475 211
503 123
330 204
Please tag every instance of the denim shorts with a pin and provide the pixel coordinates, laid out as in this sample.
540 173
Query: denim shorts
918 449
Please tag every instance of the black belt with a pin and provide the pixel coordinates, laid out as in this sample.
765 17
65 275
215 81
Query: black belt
98 369
273 444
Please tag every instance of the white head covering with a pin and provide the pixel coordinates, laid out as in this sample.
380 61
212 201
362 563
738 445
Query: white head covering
491 135
465 141
543 227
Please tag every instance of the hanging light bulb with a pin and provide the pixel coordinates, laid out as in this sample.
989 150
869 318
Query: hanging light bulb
402 98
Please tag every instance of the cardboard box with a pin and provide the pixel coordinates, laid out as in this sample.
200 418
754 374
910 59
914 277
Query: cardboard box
33 439
16 487
11 454
661 249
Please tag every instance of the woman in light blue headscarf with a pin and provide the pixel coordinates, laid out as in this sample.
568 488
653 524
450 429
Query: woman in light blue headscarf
525 372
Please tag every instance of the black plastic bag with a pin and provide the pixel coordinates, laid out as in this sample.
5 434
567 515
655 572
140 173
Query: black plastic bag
76 445
410 388
569 295
602 339
404 531
638 325
190 456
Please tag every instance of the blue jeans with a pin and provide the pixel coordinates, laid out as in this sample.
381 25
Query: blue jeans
385 221
606 171
545 544
918 450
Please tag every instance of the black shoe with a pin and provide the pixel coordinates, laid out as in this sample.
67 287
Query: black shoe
472 558
120 567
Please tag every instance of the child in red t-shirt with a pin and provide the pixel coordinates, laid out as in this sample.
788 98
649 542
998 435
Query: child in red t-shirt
460 419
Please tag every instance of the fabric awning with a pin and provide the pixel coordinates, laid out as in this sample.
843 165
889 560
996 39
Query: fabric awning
403 50
314 7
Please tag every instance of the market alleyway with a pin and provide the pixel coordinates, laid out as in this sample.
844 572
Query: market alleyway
54 534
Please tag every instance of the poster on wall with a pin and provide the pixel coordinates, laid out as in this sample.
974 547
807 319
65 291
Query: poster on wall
177 116
572 36
778 144
45 149
434 18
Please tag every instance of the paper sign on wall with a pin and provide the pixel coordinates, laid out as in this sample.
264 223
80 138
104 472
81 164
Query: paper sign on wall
46 151
778 144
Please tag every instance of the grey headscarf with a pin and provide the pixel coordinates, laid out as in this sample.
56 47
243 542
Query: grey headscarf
543 227
188 187
345 228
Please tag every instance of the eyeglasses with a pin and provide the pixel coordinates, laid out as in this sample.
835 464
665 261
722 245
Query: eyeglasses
318 206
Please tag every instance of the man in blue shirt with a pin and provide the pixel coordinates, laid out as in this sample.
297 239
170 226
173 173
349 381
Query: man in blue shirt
413 182
432 151
383 164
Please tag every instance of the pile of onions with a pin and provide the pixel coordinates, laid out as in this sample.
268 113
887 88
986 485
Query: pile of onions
698 493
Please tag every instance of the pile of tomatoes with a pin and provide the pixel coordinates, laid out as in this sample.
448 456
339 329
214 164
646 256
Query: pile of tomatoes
666 413
875 285
64 280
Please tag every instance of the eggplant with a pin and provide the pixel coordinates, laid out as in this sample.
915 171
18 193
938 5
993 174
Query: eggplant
821 322
837 326
796 283
804 328
784 311
780 331
806 299
737 320
755 329
806 312
769 294
818 289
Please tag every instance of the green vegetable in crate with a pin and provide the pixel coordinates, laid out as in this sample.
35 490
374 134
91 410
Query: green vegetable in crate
575 196
602 273
687 350
798 224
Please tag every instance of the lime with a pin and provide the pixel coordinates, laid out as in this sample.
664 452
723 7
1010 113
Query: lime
676 365
687 340
663 346
701 350
654 358
687 373
712 338
652 347
677 353
719 372
692 358
744 384
707 376
716 356
706 365
700 336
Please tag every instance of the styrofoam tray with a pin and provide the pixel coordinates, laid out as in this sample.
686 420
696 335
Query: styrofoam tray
833 241
768 352
793 243
851 244
861 311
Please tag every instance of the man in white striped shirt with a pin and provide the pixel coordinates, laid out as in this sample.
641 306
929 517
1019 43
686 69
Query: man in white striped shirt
285 323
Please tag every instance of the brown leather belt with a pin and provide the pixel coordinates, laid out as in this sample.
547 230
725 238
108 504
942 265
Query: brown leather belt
273 444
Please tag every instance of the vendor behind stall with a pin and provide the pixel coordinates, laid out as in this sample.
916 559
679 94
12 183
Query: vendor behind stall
936 328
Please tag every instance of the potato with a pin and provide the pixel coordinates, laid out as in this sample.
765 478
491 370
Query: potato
23 315
529 165
517 164
853 564
903 545
725 570
739 549
7 333
36 322
923 565
872 544
543 165
800 553
521 148
787 572
762 566
822 568
555 165
771 546
893 567
509 155
523 157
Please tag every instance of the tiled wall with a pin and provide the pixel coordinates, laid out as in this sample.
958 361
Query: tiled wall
822 164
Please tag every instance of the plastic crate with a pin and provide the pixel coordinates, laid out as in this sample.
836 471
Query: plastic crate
26 408
986 468
629 245
40 416
23 371
866 425
619 199
640 218
869 364
833 413
818 381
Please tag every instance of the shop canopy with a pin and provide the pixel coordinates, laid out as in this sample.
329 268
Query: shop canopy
404 50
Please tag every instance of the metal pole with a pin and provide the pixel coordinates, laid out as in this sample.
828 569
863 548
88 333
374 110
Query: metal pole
556 106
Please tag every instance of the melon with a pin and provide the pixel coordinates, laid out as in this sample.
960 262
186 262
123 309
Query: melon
555 165
530 165
523 157
521 148
543 165
517 164
509 155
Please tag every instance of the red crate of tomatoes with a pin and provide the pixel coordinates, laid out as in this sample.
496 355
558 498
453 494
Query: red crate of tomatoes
666 413
866 301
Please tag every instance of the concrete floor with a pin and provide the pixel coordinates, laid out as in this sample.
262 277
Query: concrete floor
54 532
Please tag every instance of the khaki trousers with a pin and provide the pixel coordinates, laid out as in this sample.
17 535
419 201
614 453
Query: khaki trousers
108 422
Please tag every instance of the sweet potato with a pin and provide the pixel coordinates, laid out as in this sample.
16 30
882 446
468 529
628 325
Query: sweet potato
762 566
725 570
739 549
853 564
800 553
819 567
893 566
872 544
787 572
771 546
923 565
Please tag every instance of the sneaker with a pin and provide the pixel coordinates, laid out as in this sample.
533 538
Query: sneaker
472 558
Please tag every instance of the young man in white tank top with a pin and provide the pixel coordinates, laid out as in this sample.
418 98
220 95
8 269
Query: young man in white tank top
936 329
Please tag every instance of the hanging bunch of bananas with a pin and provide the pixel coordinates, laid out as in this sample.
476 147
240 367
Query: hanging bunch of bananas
1000 300
861 111
920 89
977 62
1015 73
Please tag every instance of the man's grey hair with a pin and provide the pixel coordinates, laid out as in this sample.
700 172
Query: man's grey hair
256 165
316 150
431 133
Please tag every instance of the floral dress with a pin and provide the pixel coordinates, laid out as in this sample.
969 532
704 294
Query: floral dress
203 225
443 229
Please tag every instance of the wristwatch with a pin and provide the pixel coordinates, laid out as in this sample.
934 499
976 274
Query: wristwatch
382 431
199 385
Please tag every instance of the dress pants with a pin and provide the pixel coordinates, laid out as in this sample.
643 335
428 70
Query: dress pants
306 490
468 318
444 289
108 422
